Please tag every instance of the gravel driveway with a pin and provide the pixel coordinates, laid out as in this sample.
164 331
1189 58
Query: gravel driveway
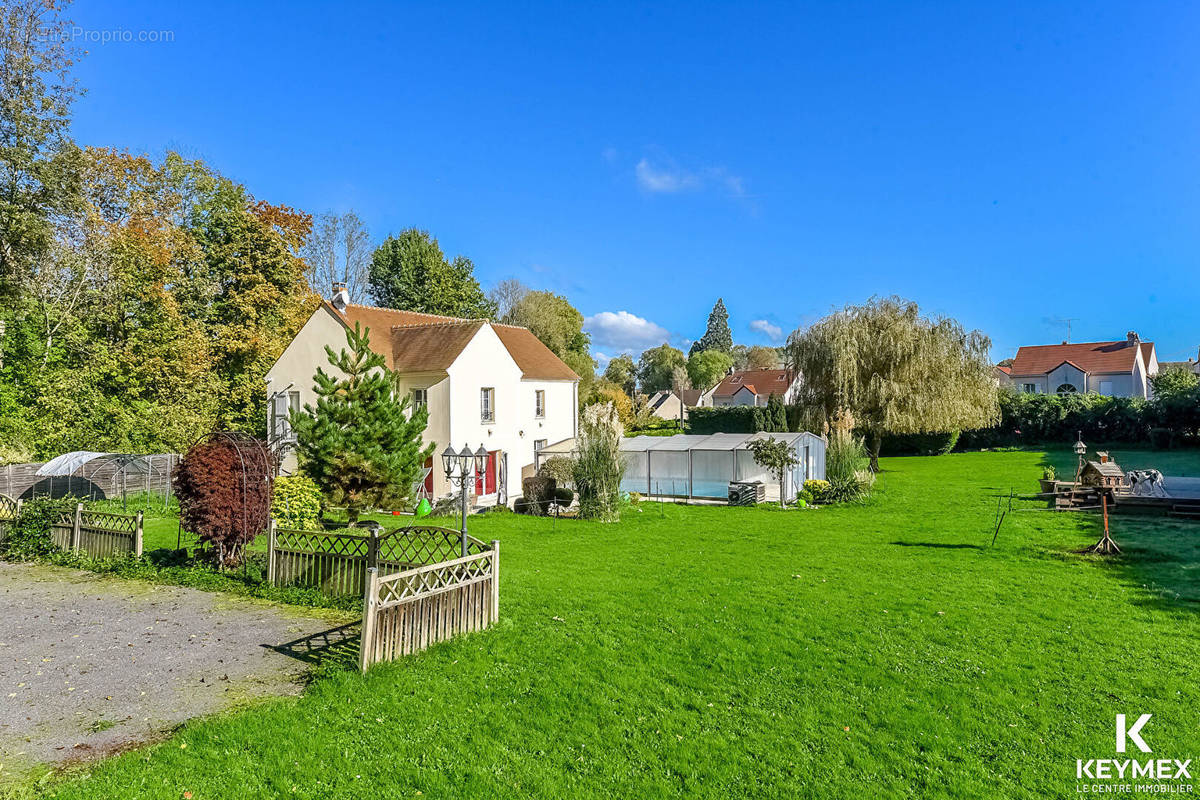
90 665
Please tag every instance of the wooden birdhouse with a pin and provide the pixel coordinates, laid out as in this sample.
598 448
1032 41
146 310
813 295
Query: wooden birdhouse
1102 474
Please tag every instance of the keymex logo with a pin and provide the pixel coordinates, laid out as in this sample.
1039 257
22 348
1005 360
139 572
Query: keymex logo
1131 735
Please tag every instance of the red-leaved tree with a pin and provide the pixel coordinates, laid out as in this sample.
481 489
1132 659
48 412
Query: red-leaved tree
224 487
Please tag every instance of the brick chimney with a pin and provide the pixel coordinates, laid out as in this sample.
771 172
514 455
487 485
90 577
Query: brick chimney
340 298
1132 339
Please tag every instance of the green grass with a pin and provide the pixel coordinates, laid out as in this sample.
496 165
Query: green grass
876 650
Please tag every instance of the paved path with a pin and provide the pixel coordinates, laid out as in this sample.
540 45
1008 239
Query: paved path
91 664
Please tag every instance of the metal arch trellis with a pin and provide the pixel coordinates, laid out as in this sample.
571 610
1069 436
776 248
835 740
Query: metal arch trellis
268 456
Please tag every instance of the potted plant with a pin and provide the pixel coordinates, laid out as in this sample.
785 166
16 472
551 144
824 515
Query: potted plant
1048 481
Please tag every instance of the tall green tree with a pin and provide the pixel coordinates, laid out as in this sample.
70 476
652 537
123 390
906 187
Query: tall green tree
39 163
559 325
776 414
622 371
410 272
717 335
656 368
707 368
361 445
881 367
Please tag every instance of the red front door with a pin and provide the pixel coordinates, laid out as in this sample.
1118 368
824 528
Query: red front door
486 483
429 477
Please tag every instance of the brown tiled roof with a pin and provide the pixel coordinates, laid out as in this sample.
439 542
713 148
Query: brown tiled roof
1091 357
690 397
431 346
1005 370
767 381
533 357
431 342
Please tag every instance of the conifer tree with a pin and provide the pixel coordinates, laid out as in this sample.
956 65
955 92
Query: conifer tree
776 414
717 336
361 445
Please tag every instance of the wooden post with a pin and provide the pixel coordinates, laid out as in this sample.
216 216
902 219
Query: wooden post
271 551
76 524
18 511
137 534
370 604
495 580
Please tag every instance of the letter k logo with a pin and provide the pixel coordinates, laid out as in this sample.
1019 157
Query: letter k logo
1133 733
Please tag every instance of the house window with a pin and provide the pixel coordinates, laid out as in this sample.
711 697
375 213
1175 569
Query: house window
281 408
487 405
539 403
1029 388
538 444
1106 388
1066 388
420 398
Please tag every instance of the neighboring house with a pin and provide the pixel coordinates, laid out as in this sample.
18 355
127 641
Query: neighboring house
754 387
1002 374
670 404
1191 365
1116 369
483 383
666 405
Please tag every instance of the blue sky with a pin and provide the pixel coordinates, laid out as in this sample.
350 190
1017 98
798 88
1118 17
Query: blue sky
1009 164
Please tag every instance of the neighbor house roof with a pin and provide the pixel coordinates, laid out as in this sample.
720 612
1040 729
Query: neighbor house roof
759 381
1091 357
690 397
432 342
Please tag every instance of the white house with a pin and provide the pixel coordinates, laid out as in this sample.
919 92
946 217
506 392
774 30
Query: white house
482 382
1117 369
754 387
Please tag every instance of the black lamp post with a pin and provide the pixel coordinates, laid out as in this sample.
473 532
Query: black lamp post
1080 451
460 469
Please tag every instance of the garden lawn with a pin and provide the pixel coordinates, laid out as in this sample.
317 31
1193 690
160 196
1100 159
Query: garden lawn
878 650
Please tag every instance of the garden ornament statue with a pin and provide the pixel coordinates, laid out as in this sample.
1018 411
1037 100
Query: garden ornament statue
460 469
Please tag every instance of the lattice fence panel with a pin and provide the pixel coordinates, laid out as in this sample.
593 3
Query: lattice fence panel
335 563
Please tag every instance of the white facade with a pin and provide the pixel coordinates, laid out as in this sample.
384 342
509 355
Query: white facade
525 412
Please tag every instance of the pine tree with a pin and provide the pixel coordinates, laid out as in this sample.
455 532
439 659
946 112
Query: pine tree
717 336
360 444
776 414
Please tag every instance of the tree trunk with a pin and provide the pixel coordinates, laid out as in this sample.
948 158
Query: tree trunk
352 512
875 446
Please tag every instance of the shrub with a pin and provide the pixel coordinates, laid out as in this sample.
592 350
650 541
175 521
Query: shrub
817 489
1030 419
635 498
538 493
805 497
918 444
845 490
563 497
29 534
560 468
726 419
599 468
224 493
296 503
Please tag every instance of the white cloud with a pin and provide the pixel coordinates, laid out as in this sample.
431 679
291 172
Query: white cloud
768 329
667 177
624 332
665 180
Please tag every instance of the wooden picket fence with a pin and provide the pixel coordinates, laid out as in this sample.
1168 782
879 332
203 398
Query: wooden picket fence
337 563
419 585
407 611
98 534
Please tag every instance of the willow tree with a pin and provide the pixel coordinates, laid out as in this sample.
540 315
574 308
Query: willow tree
882 367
